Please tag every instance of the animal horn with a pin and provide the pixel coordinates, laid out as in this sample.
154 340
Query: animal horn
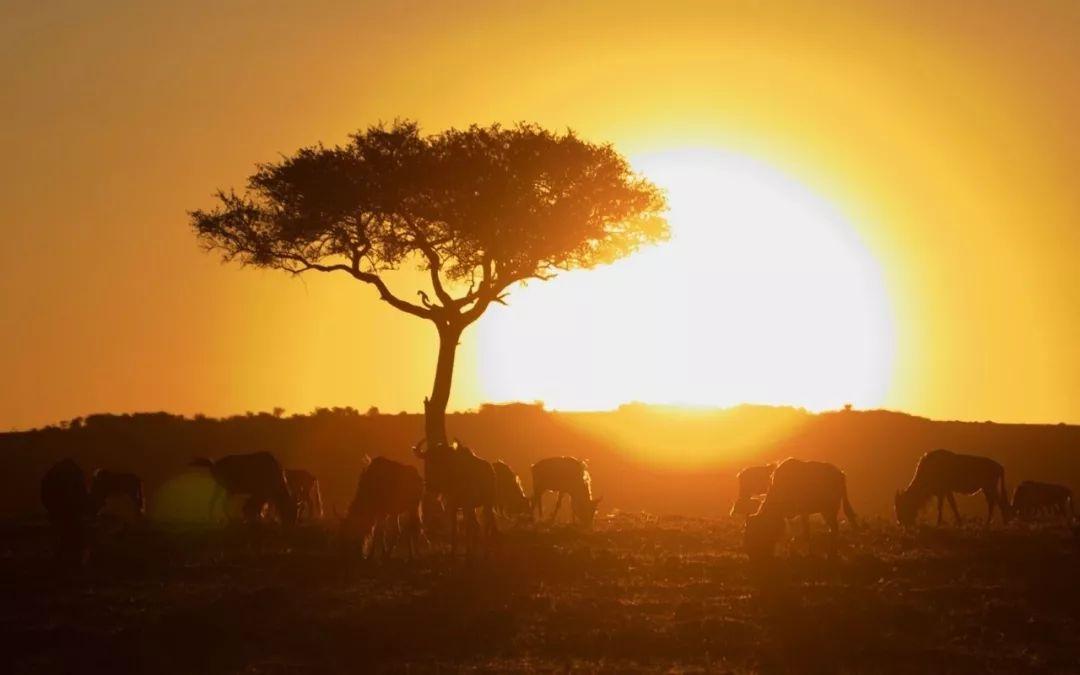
418 448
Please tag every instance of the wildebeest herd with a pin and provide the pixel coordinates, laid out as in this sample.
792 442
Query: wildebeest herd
769 494
393 504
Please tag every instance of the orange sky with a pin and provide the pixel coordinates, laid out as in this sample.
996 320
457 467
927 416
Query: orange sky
946 137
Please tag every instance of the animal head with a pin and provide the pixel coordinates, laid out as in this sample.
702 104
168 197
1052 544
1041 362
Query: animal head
585 510
356 524
97 480
436 459
435 452
286 508
744 506
907 508
761 534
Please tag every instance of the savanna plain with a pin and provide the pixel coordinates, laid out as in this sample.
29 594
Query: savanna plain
638 593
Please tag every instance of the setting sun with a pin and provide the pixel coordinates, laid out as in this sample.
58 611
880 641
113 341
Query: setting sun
764 294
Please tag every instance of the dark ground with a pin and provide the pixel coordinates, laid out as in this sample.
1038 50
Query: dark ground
637 594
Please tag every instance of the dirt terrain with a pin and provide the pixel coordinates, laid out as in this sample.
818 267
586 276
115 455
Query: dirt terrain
637 594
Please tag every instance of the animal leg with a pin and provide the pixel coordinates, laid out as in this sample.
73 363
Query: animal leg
472 532
805 518
834 532
215 496
140 502
253 509
413 526
378 540
388 537
452 514
558 503
492 527
940 504
538 504
990 501
952 505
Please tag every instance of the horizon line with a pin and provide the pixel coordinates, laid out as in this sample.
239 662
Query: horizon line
540 406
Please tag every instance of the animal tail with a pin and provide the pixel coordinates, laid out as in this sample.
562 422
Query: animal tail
201 461
848 511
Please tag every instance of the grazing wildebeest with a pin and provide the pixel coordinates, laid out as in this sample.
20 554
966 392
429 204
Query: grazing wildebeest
565 476
388 496
800 489
753 484
67 501
304 488
465 482
1032 499
257 475
107 483
940 473
510 495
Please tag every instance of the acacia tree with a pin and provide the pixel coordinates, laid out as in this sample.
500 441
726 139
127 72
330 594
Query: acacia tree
479 210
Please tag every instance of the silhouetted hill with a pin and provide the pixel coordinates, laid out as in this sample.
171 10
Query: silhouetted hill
642 457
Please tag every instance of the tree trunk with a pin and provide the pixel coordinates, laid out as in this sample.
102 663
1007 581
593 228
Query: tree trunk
435 406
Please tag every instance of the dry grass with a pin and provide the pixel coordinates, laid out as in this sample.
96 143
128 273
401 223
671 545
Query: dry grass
638 594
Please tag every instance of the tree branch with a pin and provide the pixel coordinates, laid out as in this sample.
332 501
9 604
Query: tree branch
434 267
486 292
367 277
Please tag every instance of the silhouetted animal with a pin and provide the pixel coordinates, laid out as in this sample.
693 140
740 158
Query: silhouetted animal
107 483
510 495
753 484
940 473
67 501
304 488
257 475
388 494
565 476
1032 499
801 489
64 493
466 483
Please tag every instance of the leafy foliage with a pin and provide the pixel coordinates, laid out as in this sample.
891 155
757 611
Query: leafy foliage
485 206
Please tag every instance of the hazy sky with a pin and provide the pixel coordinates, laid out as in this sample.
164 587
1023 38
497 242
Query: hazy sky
946 136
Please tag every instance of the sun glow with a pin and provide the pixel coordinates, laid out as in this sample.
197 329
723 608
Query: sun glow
764 294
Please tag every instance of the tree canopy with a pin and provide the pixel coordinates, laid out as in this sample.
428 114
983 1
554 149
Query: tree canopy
479 209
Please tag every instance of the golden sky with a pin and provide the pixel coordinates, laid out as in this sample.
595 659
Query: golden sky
944 136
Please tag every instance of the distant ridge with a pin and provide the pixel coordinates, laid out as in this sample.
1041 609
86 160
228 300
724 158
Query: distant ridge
643 457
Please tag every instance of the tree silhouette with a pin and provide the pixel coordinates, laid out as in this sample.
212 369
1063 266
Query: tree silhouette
479 209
